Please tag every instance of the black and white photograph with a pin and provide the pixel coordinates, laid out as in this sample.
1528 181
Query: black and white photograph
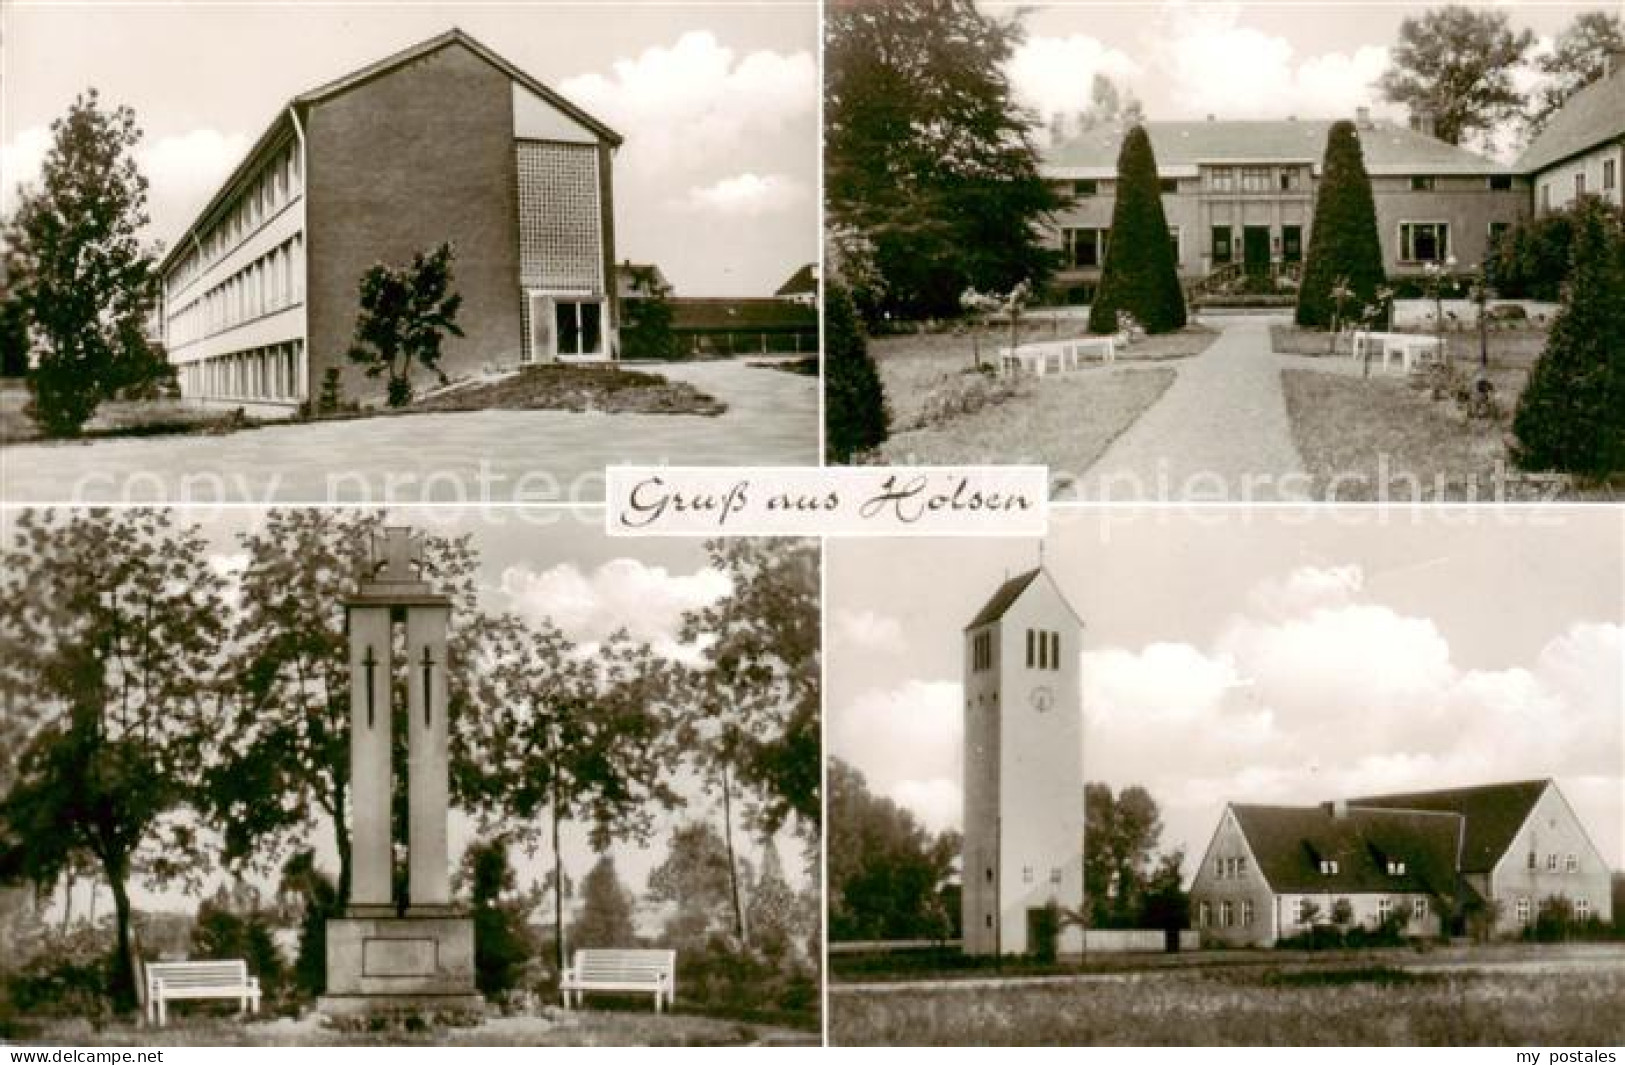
1231 778
405 253
344 777
1230 252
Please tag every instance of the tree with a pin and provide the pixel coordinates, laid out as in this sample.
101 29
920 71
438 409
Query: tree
315 897
405 315
605 920
1140 275
502 939
773 913
1343 245
14 344
646 332
855 416
1571 416
694 877
81 279
886 872
1532 259
753 723
1120 834
1578 57
117 617
281 761
1456 64
565 734
926 153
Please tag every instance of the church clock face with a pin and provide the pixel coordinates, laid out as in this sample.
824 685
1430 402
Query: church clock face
1042 699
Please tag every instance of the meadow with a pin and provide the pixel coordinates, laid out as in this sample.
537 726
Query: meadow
1376 1005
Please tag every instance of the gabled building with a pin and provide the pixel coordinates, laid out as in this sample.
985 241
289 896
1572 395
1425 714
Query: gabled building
445 141
1022 854
1240 196
801 287
1581 150
1436 858
635 281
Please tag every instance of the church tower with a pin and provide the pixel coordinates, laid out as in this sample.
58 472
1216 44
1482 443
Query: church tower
1023 844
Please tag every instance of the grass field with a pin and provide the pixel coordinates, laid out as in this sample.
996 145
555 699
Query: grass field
1375 1005
556 1028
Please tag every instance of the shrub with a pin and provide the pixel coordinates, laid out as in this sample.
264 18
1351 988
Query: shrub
725 977
1571 416
405 315
1532 260
1140 275
855 415
222 933
1343 243
68 975
503 945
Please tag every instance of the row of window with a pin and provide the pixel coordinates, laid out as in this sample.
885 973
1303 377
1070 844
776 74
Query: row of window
273 281
1229 868
1027 874
1257 178
1281 179
1571 862
277 185
1043 649
1525 909
1084 247
1227 914
270 373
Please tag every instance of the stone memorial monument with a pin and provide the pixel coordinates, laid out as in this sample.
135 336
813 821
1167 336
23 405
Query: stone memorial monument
383 957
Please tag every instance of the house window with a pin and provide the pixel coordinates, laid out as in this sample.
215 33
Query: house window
1424 242
1396 867
1579 184
1055 875
1500 182
580 327
1221 179
1247 912
1419 909
1571 863
1534 861
1218 868
1291 179
1241 866
1546 196
1385 909
1582 909
1221 245
1085 187
1422 183
1086 248
1292 243
1167 186
1173 242
1227 913
1255 179
1026 874
1523 911
1609 176
1204 914
1328 867
1551 863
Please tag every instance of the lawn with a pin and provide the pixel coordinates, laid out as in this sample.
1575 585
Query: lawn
1278 1005
114 418
1381 439
551 1028
1064 422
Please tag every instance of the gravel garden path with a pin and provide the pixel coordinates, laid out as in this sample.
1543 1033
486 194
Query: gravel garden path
1220 432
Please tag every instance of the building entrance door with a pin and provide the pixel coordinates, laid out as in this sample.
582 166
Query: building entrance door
1255 250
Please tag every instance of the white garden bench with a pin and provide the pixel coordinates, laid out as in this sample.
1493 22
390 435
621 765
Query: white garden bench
1037 358
169 981
1410 348
654 971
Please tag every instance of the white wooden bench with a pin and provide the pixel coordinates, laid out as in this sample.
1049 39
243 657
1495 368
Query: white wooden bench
654 971
1038 357
1410 348
169 981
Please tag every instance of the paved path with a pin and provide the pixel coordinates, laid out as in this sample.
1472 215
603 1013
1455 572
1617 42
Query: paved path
1219 433
495 456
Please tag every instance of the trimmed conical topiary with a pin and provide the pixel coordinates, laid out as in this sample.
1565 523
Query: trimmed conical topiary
855 415
1141 274
1343 244
1571 416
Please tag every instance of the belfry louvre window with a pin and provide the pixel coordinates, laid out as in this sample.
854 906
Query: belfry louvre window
1043 649
982 651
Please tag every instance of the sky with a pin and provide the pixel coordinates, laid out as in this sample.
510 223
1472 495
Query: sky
1271 656
1186 59
716 181
553 563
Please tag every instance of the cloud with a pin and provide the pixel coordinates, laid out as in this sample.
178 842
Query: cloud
907 742
1218 66
20 163
748 195
865 629
689 104
1055 75
647 601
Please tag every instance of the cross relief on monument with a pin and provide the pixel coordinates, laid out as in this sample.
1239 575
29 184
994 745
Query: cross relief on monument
397 555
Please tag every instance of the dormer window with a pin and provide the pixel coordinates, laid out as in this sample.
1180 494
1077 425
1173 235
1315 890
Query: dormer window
1328 867
1396 867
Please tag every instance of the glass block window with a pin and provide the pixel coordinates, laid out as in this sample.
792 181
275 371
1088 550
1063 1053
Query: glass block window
560 221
